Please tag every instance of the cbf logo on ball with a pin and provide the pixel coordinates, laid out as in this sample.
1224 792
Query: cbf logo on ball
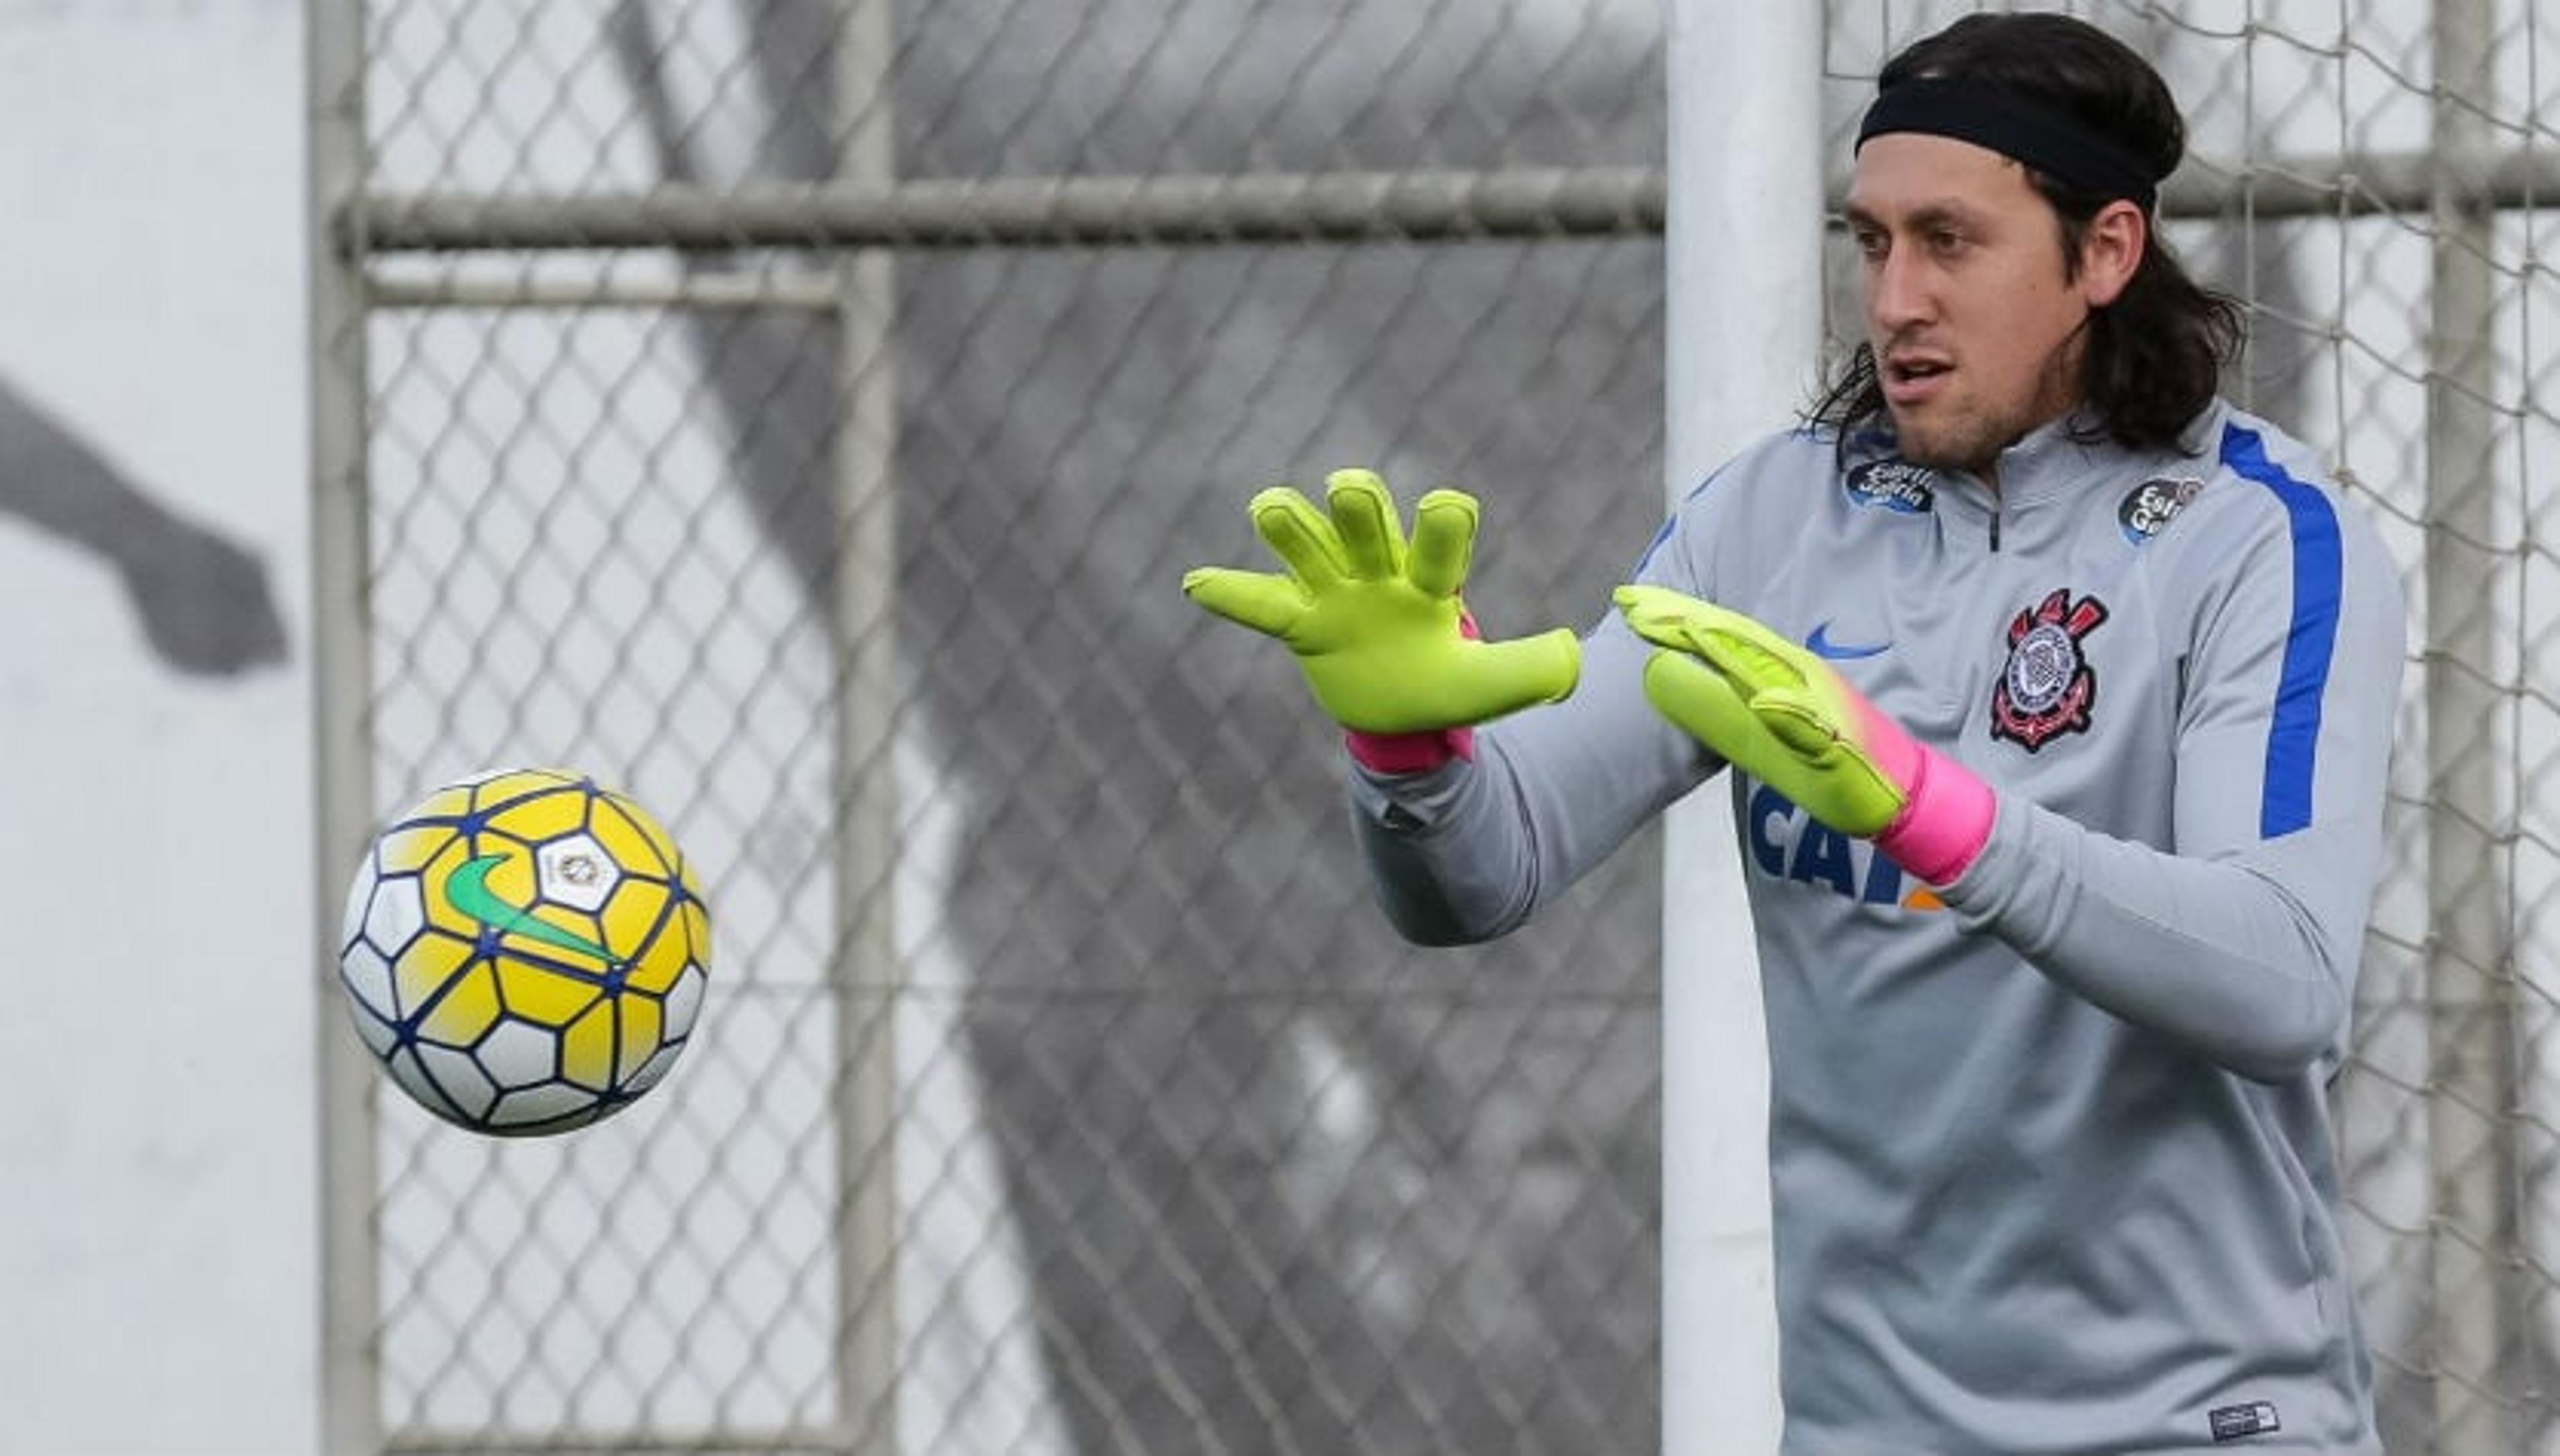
2047 687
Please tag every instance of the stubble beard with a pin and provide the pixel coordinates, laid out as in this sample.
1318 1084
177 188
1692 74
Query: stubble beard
1969 443
1970 438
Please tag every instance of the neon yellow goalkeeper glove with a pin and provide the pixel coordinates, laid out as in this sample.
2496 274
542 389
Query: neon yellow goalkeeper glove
1378 629
1783 715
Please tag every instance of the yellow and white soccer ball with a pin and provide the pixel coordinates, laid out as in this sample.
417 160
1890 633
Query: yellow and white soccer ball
526 951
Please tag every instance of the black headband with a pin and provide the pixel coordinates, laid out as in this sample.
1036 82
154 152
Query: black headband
2060 146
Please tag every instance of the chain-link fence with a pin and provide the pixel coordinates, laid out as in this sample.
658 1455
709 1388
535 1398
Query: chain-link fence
799 413
1060 1091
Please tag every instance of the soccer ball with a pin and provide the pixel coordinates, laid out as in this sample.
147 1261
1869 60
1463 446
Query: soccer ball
526 951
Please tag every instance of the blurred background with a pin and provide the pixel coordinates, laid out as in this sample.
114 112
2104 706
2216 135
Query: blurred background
798 414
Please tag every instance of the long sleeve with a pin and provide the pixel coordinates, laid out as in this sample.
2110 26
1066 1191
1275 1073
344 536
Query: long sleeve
1469 851
2242 939
2047 1145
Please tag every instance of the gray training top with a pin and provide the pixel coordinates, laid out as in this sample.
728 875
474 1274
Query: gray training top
2049 1149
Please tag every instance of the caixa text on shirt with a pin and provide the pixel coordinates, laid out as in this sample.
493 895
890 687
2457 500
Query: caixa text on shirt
1789 844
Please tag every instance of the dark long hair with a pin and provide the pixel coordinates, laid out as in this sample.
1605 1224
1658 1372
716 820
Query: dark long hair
2155 356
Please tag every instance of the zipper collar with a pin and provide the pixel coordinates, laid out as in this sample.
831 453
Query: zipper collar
2053 459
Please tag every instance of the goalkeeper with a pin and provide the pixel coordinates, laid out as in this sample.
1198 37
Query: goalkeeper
2058 693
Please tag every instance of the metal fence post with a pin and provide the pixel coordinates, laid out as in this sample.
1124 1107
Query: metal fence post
342 698
2477 1316
865 970
1743 248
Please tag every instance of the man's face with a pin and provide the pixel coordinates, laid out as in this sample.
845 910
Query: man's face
1973 319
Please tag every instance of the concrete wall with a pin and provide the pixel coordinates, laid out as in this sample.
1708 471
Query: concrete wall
157 1243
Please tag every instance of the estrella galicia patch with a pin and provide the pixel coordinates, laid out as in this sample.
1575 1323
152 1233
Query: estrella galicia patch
2148 507
1894 485
2047 687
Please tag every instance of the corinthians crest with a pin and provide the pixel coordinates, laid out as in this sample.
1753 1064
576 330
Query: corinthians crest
2047 686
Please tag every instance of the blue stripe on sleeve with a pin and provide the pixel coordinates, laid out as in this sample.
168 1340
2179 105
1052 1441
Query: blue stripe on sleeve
1650 547
2293 739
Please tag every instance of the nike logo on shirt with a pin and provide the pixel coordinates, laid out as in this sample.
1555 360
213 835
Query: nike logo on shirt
1820 641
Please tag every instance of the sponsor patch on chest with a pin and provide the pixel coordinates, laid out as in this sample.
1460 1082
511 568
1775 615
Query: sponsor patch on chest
2047 687
2148 507
1892 485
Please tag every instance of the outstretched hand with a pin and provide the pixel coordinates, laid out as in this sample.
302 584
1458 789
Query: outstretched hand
1782 715
1769 707
1378 626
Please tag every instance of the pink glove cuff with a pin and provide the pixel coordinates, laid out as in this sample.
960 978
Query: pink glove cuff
1410 752
1423 751
1946 816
